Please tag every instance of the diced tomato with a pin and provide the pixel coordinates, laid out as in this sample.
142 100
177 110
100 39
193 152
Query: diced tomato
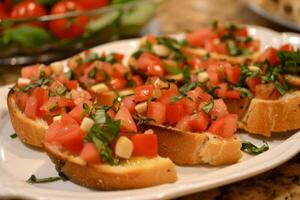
77 113
196 63
31 72
157 111
184 124
224 126
242 32
127 123
90 154
56 85
41 96
222 89
120 70
287 48
155 70
233 94
111 113
21 99
151 39
144 145
31 108
119 57
67 133
199 122
220 48
64 102
146 60
254 45
129 103
252 82
137 80
143 92
118 83
175 112
72 84
199 37
270 55
232 73
219 109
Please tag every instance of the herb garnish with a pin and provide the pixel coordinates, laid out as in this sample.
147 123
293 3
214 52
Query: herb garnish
186 74
252 149
102 133
33 179
42 81
142 119
208 107
174 45
183 91
92 73
14 135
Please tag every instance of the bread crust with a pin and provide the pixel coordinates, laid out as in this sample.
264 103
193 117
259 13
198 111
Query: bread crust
187 148
266 116
137 173
29 131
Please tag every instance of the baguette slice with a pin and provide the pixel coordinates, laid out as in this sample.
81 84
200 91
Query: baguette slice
134 173
266 116
187 148
29 131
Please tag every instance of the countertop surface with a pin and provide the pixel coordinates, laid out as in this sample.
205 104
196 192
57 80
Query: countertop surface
282 182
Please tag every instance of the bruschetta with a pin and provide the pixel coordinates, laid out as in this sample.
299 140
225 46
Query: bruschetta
105 151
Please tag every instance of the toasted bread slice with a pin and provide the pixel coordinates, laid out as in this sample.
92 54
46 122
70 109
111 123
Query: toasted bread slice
187 148
133 173
231 59
29 131
266 116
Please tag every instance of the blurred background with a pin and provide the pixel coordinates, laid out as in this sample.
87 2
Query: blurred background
41 31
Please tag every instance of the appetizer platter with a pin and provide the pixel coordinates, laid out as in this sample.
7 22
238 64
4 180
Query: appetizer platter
152 118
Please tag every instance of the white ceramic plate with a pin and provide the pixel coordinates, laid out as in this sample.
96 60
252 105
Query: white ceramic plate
18 162
255 7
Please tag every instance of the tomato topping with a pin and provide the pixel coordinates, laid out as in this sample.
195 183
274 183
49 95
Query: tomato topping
146 60
155 70
241 32
143 92
184 124
222 90
233 94
144 145
41 96
90 154
31 108
67 133
224 126
127 123
233 73
287 48
129 103
137 80
151 39
31 72
118 83
64 28
270 55
56 86
72 84
77 112
175 112
157 111
199 122
219 109
199 37
252 82
21 100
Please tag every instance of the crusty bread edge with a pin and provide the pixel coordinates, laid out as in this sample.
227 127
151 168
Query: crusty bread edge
139 174
29 131
186 148
266 116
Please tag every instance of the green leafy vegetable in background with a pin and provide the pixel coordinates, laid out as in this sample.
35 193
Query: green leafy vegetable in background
25 35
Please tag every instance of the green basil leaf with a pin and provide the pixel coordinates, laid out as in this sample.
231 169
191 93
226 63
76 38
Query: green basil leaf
208 107
252 149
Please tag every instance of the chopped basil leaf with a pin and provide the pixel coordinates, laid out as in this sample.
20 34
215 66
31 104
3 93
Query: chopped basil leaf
92 57
38 83
13 136
206 56
60 90
208 107
290 61
233 50
172 69
280 88
252 149
142 119
148 46
186 74
174 45
92 73
183 91
33 179
69 75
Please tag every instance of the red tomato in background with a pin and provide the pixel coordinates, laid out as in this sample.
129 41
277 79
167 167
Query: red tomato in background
8 4
270 55
242 32
28 8
232 73
64 28
92 4
3 13
199 37
129 103
127 122
143 93
146 60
